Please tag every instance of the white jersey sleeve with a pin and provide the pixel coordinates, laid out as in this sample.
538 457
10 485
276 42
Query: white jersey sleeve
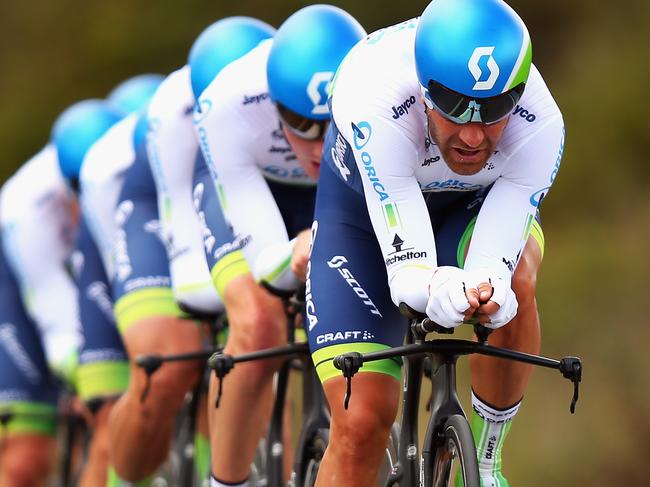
101 179
387 152
38 229
533 156
236 130
172 148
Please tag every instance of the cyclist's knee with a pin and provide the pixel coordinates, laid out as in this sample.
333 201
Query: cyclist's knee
259 330
170 383
17 471
371 412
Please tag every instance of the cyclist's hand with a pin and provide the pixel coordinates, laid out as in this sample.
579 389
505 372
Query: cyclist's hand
449 303
300 255
498 301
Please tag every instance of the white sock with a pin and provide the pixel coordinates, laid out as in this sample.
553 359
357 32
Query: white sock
490 426
215 483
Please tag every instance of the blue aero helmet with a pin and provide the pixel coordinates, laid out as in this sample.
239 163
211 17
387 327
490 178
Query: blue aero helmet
472 59
77 129
220 44
133 94
306 52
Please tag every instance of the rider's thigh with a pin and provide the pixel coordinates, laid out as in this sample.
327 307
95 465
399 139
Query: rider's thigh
348 302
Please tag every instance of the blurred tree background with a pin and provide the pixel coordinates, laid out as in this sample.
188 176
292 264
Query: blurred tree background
596 221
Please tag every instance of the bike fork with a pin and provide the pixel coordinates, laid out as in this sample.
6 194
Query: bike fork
407 469
445 404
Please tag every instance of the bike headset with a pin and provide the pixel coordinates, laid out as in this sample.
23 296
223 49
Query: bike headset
134 93
77 129
472 59
306 52
220 44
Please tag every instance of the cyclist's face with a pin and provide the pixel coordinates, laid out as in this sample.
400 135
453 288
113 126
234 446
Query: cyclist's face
464 147
308 152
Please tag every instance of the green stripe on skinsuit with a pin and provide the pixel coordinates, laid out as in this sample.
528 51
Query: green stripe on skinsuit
102 379
229 267
29 418
145 303
536 232
323 358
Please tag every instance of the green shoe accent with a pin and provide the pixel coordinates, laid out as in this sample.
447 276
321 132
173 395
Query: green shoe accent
201 456
115 481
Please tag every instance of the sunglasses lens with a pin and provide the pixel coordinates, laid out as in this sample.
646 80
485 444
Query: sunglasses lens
463 109
303 127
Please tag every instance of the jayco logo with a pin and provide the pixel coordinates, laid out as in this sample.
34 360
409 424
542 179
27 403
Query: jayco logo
523 113
403 109
477 72
255 98
317 91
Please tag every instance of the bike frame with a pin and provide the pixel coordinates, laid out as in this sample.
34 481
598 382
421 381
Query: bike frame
444 354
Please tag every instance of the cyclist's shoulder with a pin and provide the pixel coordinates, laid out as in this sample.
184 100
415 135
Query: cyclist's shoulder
381 59
535 112
377 80
241 86
110 154
173 98
36 184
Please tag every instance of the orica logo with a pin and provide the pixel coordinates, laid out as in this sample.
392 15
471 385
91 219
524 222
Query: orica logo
317 90
201 110
361 133
477 72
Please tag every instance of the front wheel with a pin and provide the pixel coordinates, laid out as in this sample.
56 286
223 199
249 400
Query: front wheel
455 455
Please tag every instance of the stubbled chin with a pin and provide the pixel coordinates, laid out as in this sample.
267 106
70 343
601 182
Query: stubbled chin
464 168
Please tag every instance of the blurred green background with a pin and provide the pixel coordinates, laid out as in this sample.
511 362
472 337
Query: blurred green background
597 218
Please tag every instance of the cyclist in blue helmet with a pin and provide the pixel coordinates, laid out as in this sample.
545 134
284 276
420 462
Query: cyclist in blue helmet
444 140
77 129
220 44
159 288
133 94
261 124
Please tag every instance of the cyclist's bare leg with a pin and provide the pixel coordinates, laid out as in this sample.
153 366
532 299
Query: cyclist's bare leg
359 435
95 471
256 321
502 383
141 433
26 460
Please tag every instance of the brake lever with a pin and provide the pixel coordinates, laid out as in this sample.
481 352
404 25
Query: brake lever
571 368
222 364
349 364
150 364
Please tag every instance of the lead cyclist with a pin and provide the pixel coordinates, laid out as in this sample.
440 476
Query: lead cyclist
444 141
